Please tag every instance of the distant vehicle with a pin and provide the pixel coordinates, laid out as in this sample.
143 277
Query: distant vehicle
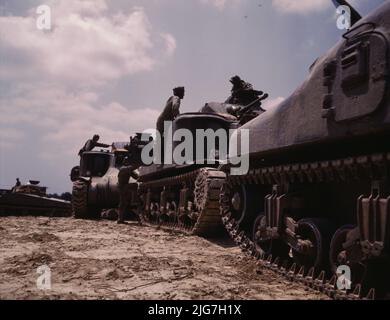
31 199
95 181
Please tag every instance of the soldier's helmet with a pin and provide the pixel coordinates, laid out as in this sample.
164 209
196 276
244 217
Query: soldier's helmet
236 80
239 84
178 91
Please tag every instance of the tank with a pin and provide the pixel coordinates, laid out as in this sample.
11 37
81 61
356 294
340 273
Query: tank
95 181
186 197
317 195
31 199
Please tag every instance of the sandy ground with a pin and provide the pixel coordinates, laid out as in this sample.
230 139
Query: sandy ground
103 260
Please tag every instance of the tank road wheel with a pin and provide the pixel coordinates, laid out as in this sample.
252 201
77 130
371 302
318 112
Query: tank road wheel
368 273
244 205
185 220
162 218
266 245
154 212
238 204
338 254
172 211
314 236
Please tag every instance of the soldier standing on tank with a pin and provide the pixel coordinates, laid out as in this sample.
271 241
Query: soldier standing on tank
170 112
126 172
18 183
172 108
91 144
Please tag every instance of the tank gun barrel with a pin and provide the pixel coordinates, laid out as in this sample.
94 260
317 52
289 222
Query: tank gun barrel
255 102
258 92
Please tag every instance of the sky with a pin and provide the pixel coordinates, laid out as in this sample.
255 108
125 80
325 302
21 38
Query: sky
108 67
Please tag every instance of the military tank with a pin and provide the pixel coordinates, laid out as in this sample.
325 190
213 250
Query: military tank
186 196
31 199
95 181
317 196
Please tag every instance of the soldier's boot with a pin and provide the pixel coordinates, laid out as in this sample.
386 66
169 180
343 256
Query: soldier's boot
121 216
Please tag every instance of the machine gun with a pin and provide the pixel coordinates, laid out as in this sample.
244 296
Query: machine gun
253 106
246 113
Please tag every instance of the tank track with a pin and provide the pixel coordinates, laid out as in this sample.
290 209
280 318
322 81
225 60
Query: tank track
201 211
80 207
337 170
80 199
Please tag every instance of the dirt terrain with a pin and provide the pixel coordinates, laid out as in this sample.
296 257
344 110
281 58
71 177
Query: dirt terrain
103 260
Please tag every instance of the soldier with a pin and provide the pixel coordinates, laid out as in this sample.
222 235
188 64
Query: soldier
172 108
18 183
170 112
245 101
124 175
242 92
92 143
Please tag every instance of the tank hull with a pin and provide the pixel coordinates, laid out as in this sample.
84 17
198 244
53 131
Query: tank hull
186 196
27 204
317 195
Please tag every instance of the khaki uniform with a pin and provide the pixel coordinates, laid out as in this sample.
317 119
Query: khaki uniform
242 94
124 175
90 145
170 112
